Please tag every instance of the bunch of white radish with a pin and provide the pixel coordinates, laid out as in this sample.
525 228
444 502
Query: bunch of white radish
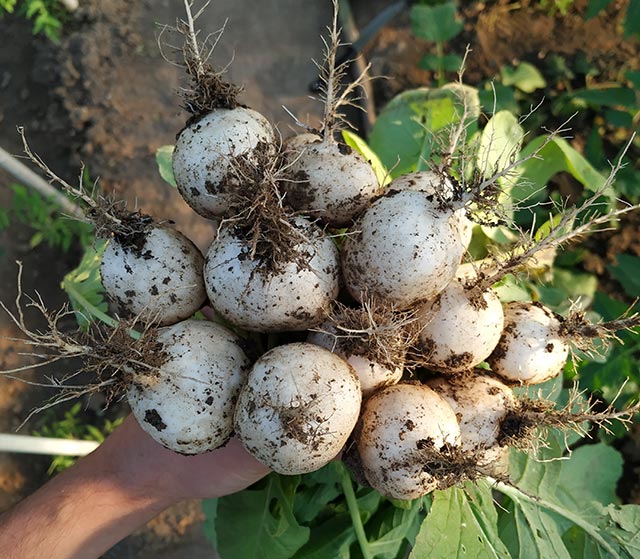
409 355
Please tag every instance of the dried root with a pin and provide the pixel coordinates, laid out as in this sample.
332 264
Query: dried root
108 358
208 90
375 330
527 425
258 210
109 217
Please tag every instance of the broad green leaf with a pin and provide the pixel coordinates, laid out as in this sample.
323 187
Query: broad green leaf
331 538
624 526
210 510
333 534
556 156
621 119
575 285
164 159
411 128
259 523
552 498
634 77
607 96
357 143
632 19
448 62
393 527
461 524
627 272
436 23
315 491
83 285
512 289
526 77
595 7
499 144
496 97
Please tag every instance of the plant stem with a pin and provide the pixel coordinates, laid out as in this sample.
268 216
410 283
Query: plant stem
354 512
96 312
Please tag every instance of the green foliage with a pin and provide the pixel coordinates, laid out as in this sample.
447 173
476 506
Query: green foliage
357 143
164 159
43 216
526 77
462 522
83 286
413 124
437 22
48 16
559 504
72 426
308 517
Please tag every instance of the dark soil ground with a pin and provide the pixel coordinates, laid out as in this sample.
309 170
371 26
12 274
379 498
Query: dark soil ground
105 96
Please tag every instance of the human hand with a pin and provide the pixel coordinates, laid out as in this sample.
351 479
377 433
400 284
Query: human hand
156 471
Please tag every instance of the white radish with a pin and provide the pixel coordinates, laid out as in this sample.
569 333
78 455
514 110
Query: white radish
402 428
372 374
459 330
532 348
481 404
155 274
403 250
186 401
331 181
440 186
298 408
203 160
258 296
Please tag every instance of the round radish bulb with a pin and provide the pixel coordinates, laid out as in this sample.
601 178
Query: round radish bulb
402 426
372 374
458 332
531 349
481 404
256 297
186 401
298 408
155 274
403 250
331 181
204 153
440 186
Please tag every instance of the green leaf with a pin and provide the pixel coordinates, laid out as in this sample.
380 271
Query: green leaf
448 62
259 523
210 510
83 286
620 119
606 96
316 491
393 528
435 23
164 159
526 77
632 19
499 143
570 495
415 123
555 157
460 526
627 272
634 77
595 7
357 143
